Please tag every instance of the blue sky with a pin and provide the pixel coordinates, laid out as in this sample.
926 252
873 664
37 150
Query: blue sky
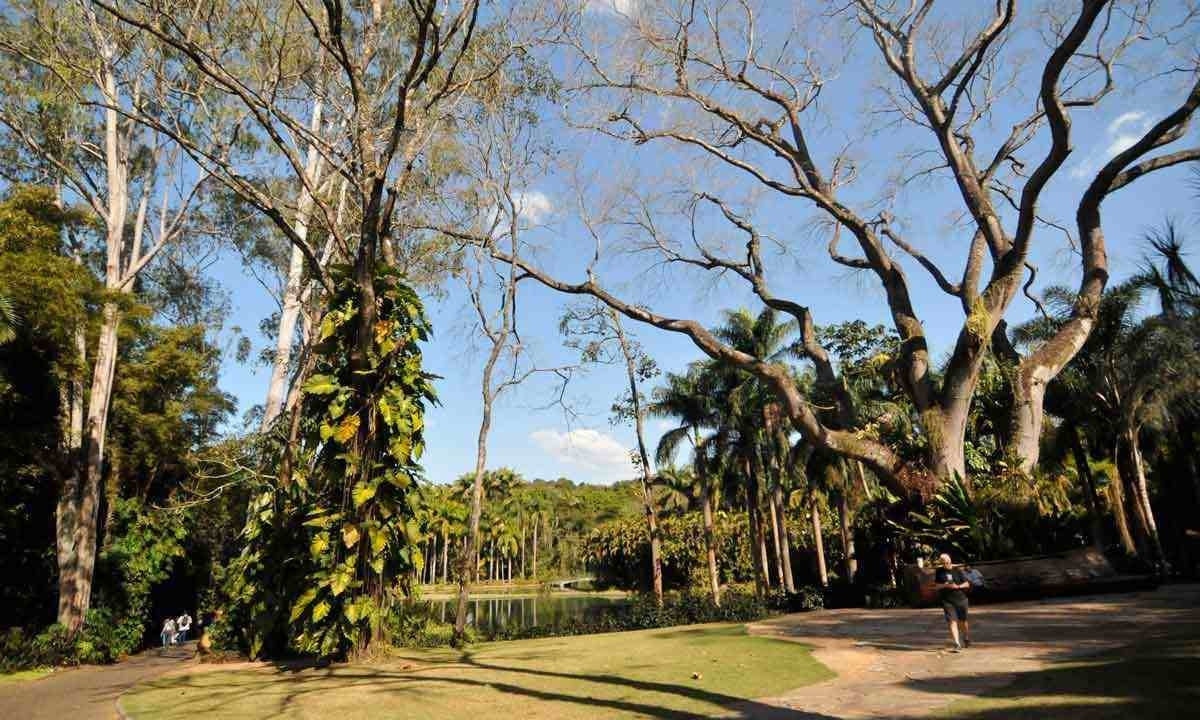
540 441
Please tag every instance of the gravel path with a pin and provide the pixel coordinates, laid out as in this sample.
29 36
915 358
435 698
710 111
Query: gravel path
895 663
89 692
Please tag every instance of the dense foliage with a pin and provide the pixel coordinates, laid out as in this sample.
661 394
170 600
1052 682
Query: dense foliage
325 542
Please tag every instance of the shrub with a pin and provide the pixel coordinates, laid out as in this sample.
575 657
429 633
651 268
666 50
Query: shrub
102 640
412 624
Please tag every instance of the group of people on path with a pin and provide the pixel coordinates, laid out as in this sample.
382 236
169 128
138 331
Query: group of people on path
175 630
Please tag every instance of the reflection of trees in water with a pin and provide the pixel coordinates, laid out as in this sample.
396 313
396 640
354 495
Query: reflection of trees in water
494 613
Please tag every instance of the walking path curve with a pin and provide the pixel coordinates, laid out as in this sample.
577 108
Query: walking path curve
89 692
895 663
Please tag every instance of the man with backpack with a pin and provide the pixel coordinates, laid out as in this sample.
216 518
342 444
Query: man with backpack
951 583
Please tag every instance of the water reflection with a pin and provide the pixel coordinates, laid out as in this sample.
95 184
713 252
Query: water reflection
490 614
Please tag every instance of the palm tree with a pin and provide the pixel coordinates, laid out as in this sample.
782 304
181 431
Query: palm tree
676 489
746 400
684 398
8 319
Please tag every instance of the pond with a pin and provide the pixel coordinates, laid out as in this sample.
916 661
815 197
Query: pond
516 612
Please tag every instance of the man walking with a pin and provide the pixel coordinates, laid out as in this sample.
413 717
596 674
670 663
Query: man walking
183 623
168 632
950 584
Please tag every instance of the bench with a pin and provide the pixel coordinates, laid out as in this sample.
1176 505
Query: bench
1078 571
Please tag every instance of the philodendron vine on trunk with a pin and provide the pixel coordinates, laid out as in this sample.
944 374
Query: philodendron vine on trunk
347 502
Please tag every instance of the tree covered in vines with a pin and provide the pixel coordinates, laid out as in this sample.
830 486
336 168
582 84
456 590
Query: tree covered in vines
333 534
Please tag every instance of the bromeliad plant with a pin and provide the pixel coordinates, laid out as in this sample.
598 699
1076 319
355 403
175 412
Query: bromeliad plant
336 534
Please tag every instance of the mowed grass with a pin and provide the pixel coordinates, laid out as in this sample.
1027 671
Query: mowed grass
24 675
615 675
1156 678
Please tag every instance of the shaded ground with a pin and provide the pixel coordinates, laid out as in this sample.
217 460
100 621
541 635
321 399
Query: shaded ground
86 693
1029 659
1109 656
647 674
1156 678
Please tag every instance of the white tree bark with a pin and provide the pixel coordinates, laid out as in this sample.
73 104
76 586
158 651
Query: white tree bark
293 287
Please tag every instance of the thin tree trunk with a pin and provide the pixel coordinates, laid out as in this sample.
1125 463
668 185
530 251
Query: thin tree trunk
710 546
850 562
777 544
524 574
290 308
789 579
647 495
1142 496
535 547
445 559
819 544
1117 496
1084 468
756 557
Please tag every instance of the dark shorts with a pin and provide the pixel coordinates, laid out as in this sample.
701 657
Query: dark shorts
954 610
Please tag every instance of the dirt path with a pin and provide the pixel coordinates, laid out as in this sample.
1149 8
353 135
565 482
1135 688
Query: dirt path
894 663
90 692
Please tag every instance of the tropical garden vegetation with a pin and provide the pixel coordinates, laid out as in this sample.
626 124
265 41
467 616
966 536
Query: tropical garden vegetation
364 159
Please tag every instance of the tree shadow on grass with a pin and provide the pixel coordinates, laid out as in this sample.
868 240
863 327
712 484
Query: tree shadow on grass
1156 678
282 689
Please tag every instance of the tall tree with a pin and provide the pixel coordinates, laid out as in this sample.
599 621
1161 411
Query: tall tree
72 74
752 111
684 398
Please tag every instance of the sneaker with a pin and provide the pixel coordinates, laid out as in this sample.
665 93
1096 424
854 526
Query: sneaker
966 643
956 648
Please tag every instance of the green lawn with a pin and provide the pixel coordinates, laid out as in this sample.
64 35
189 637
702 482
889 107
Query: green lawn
23 675
615 675
1157 678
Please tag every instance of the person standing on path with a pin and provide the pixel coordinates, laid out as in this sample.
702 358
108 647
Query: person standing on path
951 583
183 623
168 632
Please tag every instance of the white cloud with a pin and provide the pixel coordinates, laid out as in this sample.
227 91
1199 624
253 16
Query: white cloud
1125 129
590 449
1124 119
665 425
533 206
615 7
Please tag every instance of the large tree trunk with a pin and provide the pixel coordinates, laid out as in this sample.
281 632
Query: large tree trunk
75 580
1029 393
84 535
819 544
946 430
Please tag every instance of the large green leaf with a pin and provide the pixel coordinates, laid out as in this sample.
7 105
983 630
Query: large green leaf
321 385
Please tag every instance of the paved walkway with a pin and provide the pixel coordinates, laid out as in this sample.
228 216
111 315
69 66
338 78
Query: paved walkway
89 692
895 663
